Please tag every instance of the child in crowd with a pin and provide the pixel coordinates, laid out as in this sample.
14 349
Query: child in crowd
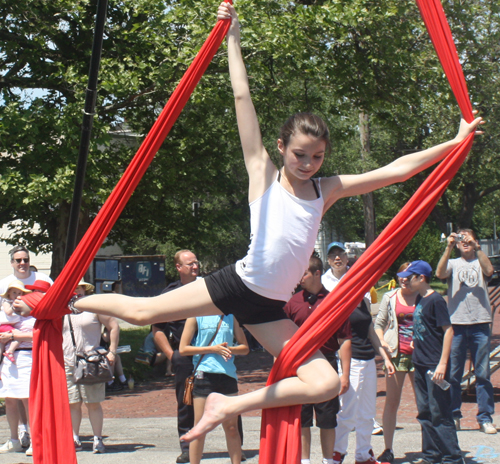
432 337
8 318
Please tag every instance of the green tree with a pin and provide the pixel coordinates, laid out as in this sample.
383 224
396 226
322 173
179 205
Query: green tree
331 57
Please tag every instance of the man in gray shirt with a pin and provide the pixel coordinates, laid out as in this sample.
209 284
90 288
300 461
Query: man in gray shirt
470 314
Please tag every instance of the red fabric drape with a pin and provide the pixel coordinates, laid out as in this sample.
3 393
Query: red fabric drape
280 433
50 419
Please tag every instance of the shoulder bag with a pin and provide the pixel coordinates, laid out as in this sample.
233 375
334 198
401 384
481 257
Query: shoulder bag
91 366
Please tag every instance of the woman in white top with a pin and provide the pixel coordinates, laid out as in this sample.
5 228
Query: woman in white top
286 209
87 335
15 379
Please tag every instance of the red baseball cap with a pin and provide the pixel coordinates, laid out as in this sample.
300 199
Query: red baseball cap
40 285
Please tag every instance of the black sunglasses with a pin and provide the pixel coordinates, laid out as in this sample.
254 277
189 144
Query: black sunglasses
21 260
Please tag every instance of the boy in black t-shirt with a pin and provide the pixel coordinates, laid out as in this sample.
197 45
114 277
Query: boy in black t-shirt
432 337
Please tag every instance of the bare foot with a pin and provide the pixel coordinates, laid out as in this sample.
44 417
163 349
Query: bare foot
214 414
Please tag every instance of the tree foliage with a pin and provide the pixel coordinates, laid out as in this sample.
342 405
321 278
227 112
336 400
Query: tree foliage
335 58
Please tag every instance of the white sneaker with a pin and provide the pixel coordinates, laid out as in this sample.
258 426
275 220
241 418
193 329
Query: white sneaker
29 451
98 446
457 424
377 428
11 447
487 427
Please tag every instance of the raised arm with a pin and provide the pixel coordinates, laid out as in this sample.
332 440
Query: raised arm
260 168
398 171
442 271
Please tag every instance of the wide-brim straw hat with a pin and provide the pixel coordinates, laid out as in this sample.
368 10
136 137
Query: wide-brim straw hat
88 287
18 285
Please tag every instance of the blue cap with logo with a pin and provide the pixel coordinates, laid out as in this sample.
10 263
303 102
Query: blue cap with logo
335 245
417 267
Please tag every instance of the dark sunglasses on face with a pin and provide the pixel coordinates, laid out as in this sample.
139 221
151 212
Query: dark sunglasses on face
21 260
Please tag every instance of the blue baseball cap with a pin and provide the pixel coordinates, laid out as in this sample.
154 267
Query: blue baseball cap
335 245
417 267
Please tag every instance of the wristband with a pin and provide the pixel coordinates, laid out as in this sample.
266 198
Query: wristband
12 336
71 305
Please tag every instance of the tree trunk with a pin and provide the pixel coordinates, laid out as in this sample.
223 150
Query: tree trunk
368 208
469 200
59 240
59 235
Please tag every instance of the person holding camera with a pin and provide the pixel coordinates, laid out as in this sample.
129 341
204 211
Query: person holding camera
470 313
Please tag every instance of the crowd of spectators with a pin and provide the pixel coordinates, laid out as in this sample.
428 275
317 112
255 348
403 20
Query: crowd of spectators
406 315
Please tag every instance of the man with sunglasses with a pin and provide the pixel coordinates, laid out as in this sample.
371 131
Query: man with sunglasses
20 262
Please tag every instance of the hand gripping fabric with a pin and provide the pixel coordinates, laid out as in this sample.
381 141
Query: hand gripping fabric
280 433
51 431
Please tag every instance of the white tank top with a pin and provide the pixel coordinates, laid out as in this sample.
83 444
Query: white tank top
283 232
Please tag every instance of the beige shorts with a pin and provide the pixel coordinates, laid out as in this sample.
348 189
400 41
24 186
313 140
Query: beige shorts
87 393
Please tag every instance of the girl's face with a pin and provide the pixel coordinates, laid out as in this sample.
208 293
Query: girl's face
303 156
14 293
80 290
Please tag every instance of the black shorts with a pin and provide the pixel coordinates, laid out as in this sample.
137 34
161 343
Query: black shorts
214 383
232 296
326 412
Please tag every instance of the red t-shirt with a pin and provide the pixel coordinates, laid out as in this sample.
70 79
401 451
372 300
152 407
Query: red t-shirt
301 306
405 326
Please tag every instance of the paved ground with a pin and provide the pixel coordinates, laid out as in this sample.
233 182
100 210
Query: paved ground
140 425
152 440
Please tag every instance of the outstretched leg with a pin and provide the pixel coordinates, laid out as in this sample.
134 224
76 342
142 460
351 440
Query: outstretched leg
316 382
191 300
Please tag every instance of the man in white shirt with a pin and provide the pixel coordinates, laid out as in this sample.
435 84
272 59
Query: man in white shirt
20 262
470 313
337 259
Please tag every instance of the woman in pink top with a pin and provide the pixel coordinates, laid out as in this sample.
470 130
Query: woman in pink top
394 327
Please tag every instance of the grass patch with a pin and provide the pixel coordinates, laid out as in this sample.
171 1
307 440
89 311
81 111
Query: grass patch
140 372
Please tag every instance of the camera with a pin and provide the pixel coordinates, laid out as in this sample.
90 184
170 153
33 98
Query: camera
459 237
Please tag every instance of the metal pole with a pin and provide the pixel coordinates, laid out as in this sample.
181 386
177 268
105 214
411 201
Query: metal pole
88 118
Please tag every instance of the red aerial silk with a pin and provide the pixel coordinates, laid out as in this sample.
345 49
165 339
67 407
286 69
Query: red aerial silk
280 433
51 430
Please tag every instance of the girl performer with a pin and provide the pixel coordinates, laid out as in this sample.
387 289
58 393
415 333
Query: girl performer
286 207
